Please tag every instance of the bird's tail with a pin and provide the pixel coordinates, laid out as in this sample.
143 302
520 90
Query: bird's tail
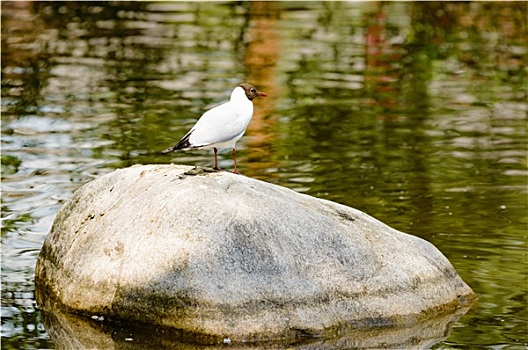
183 144
168 150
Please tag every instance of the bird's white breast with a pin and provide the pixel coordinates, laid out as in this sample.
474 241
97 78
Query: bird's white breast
222 126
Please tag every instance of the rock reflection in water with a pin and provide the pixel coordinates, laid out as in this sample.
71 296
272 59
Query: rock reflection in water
73 332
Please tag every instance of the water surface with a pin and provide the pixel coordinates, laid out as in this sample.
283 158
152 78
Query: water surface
414 113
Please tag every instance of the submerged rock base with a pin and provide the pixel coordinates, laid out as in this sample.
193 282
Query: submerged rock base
224 255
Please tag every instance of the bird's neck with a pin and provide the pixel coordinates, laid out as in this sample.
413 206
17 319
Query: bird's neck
239 96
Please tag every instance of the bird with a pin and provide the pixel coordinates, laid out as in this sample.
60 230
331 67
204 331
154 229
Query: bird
222 126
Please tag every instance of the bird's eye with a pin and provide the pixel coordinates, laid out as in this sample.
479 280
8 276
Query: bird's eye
253 90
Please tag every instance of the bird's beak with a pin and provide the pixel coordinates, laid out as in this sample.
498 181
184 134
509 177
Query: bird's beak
261 94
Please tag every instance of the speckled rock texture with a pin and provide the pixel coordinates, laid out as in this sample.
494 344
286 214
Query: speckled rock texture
225 255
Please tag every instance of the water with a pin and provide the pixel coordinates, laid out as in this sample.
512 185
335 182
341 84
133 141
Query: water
414 113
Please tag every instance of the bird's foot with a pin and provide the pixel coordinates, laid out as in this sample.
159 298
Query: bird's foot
198 170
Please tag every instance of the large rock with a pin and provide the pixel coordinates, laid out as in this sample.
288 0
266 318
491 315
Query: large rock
229 256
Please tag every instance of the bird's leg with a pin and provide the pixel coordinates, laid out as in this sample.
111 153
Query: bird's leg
216 159
234 160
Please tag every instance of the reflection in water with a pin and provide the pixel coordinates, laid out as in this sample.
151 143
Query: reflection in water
260 59
72 332
412 112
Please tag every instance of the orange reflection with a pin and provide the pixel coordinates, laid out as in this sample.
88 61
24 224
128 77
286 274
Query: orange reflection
260 59
380 76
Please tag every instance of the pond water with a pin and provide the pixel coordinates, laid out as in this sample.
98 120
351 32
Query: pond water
415 113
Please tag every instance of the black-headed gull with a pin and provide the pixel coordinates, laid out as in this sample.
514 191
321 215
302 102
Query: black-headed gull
222 126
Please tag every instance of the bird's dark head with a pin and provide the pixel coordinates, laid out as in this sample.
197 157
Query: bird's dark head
251 91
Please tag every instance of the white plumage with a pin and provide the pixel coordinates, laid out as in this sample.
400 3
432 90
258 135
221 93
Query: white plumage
222 126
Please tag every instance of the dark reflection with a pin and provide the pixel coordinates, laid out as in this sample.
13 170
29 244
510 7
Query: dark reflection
74 332
24 66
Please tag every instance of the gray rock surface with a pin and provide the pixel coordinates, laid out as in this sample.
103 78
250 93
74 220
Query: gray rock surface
229 256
